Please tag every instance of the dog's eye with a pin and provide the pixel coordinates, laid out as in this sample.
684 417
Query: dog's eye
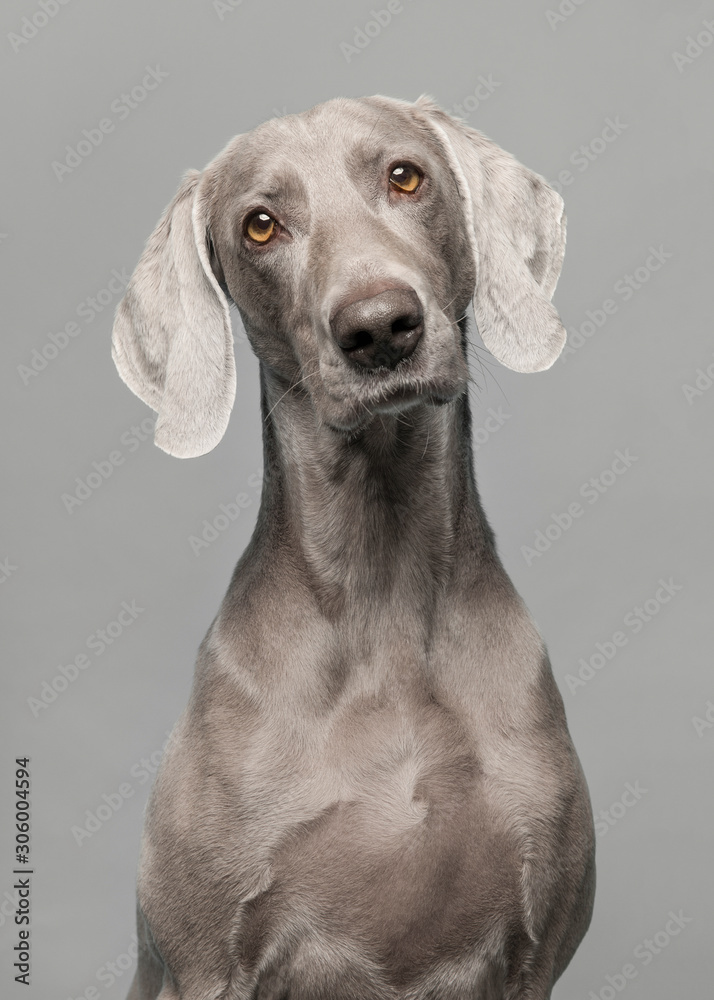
405 177
260 227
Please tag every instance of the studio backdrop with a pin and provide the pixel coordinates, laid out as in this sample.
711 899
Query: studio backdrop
596 475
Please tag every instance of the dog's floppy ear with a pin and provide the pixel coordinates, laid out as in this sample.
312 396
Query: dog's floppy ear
517 225
172 341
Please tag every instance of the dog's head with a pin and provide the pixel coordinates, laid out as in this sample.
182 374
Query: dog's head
351 238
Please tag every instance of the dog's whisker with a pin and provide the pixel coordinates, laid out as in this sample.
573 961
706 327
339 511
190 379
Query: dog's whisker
289 390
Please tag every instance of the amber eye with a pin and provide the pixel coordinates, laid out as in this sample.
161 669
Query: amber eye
405 177
260 227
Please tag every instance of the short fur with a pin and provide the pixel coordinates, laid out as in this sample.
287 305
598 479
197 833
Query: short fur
372 793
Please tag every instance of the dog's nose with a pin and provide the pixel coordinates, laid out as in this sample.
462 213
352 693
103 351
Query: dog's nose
377 332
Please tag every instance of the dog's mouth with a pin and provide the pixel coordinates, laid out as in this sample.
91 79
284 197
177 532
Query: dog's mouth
386 390
435 372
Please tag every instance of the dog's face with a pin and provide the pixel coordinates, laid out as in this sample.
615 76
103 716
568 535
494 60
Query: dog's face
351 238
341 237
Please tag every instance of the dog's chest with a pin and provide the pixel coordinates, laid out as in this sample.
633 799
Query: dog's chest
390 841
376 832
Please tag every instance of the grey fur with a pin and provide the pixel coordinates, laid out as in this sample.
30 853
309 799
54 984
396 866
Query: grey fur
372 792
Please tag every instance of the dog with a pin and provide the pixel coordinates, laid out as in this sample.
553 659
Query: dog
372 793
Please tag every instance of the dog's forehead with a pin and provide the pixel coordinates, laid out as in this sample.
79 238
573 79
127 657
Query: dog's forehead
288 155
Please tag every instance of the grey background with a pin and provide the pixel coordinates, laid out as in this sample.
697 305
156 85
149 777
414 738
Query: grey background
635 719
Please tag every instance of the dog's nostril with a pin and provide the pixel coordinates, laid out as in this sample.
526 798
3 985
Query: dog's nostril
405 323
362 338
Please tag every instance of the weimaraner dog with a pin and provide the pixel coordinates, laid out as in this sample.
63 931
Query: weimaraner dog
373 793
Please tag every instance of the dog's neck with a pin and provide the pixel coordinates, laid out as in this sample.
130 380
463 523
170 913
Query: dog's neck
387 517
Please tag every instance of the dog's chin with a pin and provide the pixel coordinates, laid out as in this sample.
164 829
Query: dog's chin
385 393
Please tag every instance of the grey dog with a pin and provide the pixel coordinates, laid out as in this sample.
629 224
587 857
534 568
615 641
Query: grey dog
372 793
